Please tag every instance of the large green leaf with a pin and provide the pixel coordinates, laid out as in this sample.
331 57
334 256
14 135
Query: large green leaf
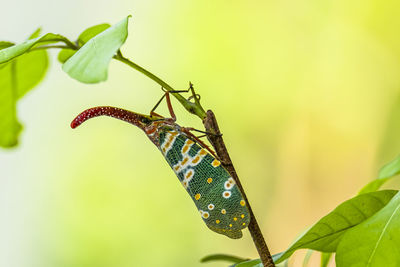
83 38
327 232
17 77
11 52
90 63
386 173
375 242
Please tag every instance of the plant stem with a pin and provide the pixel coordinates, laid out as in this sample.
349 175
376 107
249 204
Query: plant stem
211 125
194 108
51 46
70 44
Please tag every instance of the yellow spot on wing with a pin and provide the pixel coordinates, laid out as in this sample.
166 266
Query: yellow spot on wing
227 194
196 160
173 133
189 174
184 161
216 163
189 142
203 152
185 149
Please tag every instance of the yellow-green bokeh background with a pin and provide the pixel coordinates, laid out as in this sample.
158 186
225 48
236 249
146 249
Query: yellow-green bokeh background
305 92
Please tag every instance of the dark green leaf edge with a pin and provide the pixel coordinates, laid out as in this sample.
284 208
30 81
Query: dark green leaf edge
223 257
356 206
255 262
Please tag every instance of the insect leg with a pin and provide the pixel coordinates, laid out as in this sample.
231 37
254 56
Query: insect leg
203 132
152 113
166 95
197 139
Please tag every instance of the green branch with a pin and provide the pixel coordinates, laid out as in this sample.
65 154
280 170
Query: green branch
52 46
194 108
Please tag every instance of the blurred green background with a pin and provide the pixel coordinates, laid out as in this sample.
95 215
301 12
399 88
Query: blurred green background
307 94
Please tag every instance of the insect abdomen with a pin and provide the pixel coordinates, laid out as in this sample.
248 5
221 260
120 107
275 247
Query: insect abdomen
212 189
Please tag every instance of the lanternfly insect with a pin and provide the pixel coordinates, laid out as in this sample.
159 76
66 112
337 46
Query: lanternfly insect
213 190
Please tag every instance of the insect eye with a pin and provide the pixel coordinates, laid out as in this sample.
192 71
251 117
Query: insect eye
145 120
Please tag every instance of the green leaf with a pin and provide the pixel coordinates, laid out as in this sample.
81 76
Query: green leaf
17 77
91 32
65 54
9 125
30 70
390 169
35 34
14 51
385 174
83 38
250 263
222 257
327 232
90 63
5 44
325 258
375 242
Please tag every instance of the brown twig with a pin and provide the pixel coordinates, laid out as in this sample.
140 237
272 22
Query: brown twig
211 125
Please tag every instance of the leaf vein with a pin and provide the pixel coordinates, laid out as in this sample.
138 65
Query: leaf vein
381 235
